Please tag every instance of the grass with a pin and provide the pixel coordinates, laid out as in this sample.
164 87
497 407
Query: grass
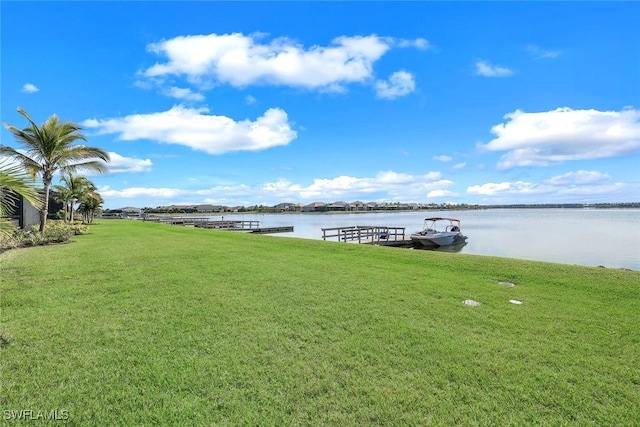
147 324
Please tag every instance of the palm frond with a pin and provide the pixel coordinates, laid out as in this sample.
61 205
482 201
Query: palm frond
6 227
14 182
13 178
30 165
81 152
93 165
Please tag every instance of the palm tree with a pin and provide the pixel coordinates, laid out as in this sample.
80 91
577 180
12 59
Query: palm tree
14 182
49 149
90 203
72 190
62 194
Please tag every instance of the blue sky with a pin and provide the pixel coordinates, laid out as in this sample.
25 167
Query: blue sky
243 103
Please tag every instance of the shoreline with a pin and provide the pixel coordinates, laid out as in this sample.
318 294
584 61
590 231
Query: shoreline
505 234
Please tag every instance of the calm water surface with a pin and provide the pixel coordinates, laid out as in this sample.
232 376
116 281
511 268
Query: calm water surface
606 237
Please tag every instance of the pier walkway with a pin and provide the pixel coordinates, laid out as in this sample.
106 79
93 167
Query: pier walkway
369 234
232 225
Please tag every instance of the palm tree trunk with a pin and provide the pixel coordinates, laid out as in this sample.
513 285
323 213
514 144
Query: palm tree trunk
45 210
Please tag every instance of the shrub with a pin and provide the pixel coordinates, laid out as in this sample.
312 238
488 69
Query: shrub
10 241
54 232
79 228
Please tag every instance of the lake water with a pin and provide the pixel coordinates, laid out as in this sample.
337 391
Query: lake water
591 237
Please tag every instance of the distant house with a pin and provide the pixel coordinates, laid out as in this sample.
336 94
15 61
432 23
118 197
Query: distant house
179 209
285 207
111 213
337 207
391 206
315 207
128 212
208 208
131 212
358 206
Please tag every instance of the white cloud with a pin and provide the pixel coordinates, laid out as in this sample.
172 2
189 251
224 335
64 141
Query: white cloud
443 158
418 43
484 68
581 183
459 166
400 83
119 164
539 139
241 60
193 128
492 188
387 185
183 93
250 100
141 192
441 193
390 184
539 53
580 177
29 88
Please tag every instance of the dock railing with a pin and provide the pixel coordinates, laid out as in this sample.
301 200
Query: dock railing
231 225
364 233
204 222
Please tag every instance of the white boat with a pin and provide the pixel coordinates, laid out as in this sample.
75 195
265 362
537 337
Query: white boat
431 237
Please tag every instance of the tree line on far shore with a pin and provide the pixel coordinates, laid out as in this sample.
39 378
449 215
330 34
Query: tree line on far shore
379 207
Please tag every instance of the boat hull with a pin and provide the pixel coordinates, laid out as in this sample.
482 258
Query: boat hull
438 239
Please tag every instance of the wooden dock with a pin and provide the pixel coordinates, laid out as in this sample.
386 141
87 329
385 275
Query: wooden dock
270 230
231 225
369 234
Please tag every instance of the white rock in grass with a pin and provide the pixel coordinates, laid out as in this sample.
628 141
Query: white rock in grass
515 301
507 284
471 303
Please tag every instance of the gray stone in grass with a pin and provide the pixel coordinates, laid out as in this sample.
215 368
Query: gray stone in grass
507 284
515 301
471 303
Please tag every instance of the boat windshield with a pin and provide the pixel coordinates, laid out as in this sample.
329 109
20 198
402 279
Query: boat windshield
452 226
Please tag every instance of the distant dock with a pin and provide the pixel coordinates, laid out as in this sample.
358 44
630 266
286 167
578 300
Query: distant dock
231 225
369 234
269 230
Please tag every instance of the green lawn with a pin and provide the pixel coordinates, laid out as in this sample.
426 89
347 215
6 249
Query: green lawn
148 324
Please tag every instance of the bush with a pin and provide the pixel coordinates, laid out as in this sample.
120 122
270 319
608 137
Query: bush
54 232
10 241
79 228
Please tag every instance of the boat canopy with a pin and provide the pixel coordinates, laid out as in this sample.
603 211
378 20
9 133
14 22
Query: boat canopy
441 218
